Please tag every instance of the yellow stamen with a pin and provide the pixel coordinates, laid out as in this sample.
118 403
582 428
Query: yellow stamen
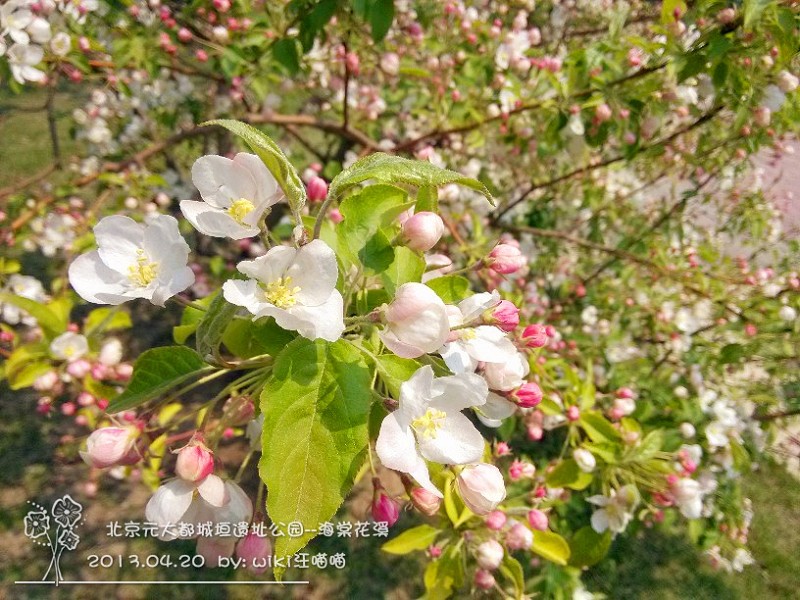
468 334
281 293
427 425
144 272
240 209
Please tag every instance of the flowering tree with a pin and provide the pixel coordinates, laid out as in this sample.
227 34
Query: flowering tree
512 256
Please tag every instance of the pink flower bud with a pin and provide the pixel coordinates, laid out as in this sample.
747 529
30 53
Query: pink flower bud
335 215
352 62
726 16
481 487
110 446
502 449
222 5
201 55
489 555
84 44
79 368
527 396
537 519
573 413
519 537
505 316
423 231
46 381
495 520
506 259
384 508
625 392
195 462
317 189
184 35
255 551
484 579
535 336
602 113
425 502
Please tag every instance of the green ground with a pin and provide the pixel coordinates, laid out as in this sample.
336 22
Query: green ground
654 566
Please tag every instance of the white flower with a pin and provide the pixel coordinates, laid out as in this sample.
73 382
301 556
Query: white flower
428 425
481 487
211 500
24 287
585 459
688 497
55 233
787 313
61 44
133 261
741 559
508 375
472 345
14 19
111 352
296 287
495 410
69 346
235 193
39 30
616 509
416 321
23 59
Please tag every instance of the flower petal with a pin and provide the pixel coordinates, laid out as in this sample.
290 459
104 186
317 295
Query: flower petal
221 181
95 282
395 445
170 502
212 490
325 321
456 442
271 266
315 272
457 392
267 191
118 240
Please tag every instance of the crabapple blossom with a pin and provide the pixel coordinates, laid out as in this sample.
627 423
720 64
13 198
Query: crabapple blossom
527 395
425 502
688 497
616 509
506 259
484 580
495 520
111 446
495 410
317 189
212 499
254 548
508 375
537 519
69 346
384 508
297 287
23 60
481 487
23 286
236 193
133 260
489 555
428 425
585 459
195 462
422 231
416 321
519 537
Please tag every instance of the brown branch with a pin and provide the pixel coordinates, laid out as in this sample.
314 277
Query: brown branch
27 182
604 163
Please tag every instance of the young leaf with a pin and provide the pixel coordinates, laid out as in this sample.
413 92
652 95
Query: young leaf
407 266
381 15
588 547
452 289
157 371
316 407
416 538
50 321
396 169
551 546
568 474
212 326
247 339
273 157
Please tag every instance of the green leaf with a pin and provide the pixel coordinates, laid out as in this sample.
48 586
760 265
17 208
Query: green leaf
588 547
753 9
512 570
106 319
316 406
568 474
731 353
381 15
246 339
274 158
285 52
157 371
551 546
452 289
394 371
427 199
416 538
49 320
407 266
360 238
213 324
395 169
28 373
598 428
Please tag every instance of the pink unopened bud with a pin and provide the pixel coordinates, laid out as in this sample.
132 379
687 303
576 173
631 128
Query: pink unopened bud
535 336
573 413
335 215
352 62
495 520
726 16
484 580
520 469
384 508
602 113
537 519
84 44
317 189
195 462
505 316
184 35
481 487
79 368
222 5
626 393
489 555
425 502
110 446
519 537
502 449
423 230
506 259
527 396
201 55
256 551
